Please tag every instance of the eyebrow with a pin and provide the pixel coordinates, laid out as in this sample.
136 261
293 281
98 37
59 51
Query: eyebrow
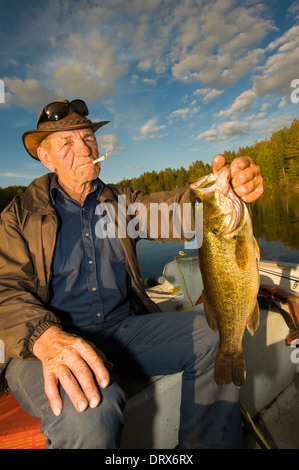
87 134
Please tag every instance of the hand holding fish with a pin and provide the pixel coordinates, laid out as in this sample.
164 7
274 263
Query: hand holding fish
246 178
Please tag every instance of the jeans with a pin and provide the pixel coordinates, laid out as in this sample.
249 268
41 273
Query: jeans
153 344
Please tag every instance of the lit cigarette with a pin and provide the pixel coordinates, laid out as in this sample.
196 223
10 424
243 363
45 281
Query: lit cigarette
104 157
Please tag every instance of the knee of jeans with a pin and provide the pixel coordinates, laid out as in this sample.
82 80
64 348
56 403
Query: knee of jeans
94 428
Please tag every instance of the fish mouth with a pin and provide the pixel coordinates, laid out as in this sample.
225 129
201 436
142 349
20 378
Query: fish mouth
206 184
231 205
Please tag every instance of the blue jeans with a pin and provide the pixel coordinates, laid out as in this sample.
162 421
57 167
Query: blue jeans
154 344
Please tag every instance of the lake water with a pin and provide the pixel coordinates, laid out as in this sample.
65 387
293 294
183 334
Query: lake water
275 218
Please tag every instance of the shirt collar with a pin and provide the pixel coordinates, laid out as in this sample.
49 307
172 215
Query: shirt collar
97 186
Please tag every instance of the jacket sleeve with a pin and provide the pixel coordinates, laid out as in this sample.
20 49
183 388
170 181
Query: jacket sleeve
23 313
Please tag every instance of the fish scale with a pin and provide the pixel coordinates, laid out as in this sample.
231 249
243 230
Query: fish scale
228 263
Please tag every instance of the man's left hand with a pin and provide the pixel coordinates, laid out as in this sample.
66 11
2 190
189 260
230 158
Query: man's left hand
246 178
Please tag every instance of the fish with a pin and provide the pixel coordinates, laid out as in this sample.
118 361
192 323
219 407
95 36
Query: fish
228 261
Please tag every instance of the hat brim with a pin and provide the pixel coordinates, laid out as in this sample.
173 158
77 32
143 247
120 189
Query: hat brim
32 139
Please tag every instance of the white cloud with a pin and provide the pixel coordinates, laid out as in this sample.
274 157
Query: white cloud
283 102
136 167
149 81
80 67
281 66
183 113
208 93
28 93
242 103
92 71
150 131
226 131
209 135
222 48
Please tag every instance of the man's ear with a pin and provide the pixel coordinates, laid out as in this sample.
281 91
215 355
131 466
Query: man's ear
45 158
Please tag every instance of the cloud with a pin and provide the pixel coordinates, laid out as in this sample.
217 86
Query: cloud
222 49
184 113
149 81
92 71
136 167
108 143
28 93
281 66
16 175
150 131
242 103
85 67
208 93
226 131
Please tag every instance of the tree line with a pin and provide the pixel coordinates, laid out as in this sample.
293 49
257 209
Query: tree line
277 156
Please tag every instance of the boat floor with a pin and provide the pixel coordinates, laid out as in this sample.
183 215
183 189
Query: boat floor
278 422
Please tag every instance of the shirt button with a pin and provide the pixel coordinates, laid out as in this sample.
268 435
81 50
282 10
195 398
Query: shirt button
98 314
87 234
94 289
90 261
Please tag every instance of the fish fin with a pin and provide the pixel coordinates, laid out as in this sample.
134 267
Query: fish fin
242 252
211 319
256 249
254 319
230 369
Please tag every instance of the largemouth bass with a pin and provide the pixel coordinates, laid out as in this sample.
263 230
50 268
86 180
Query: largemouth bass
228 260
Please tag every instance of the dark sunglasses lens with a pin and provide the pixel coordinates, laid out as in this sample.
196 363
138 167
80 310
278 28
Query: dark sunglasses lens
56 111
80 107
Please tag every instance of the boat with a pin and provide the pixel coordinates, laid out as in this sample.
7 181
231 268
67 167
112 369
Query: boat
270 396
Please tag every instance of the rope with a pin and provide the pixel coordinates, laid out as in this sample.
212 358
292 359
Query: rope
253 429
179 268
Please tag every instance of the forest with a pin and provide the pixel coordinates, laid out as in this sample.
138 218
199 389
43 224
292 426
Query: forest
277 156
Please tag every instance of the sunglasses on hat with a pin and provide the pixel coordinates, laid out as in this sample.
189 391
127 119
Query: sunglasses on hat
60 109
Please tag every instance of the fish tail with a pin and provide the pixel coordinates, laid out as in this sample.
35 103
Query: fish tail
230 369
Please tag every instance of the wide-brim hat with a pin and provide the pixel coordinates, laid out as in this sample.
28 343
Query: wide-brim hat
32 139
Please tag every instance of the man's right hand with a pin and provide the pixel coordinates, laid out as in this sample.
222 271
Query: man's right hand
72 361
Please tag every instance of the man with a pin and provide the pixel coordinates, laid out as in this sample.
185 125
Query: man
73 307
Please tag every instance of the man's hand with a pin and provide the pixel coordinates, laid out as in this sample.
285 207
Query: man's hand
247 181
73 362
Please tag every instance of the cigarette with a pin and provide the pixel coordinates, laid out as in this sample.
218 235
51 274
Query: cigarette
104 157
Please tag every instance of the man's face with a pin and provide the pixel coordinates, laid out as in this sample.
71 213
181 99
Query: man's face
71 153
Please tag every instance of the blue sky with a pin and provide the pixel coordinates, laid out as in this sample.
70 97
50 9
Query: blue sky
179 80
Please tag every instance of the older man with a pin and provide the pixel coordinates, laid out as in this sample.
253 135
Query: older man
71 301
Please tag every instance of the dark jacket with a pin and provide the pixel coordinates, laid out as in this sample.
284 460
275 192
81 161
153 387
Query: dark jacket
28 228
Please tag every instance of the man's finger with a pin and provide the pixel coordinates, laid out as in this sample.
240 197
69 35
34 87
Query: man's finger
218 162
52 392
95 360
71 387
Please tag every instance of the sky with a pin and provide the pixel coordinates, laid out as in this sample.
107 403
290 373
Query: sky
179 80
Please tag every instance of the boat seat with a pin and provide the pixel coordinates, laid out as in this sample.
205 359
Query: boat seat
18 430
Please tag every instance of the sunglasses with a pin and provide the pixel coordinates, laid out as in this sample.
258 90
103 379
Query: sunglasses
59 110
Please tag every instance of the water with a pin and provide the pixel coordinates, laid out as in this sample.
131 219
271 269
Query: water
275 218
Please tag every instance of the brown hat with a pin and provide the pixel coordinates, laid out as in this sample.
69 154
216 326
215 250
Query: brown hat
73 120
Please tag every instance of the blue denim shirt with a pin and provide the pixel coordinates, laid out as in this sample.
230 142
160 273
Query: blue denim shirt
90 283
